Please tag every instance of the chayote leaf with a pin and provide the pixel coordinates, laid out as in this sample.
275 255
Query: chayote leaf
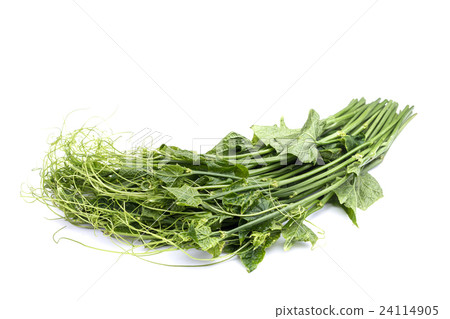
225 167
242 200
201 234
296 230
232 144
350 142
351 214
131 173
217 249
252 257
330 154
298 142
170 175
211 180
349 211
185 195
359 191
259 238
264 238
354 168
176 153
276 137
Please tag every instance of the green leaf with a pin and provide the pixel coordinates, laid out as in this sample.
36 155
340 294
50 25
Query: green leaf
243 235
176 153
131 173
349 211
261 204
217 249
252 257
330 154
241 171
354 168
170 175
202 236
232 144
185 195
151 213
226 167
350 142
276 137
298 142
351 214
242 200
264 238
238 184
259 238
359 191
248 203
295 230
305 147
273 237
210 180
271 227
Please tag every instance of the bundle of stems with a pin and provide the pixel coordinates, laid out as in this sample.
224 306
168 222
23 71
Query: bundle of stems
236 199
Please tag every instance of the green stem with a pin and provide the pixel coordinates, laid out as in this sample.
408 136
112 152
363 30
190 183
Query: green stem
213 174
295 172
308 184
264 169
244 155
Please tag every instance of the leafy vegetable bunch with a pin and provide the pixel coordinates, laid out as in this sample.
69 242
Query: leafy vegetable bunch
236 199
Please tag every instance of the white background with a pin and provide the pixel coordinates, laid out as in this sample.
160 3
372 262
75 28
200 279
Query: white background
226 63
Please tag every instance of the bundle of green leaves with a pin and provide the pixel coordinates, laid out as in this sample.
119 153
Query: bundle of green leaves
237 199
